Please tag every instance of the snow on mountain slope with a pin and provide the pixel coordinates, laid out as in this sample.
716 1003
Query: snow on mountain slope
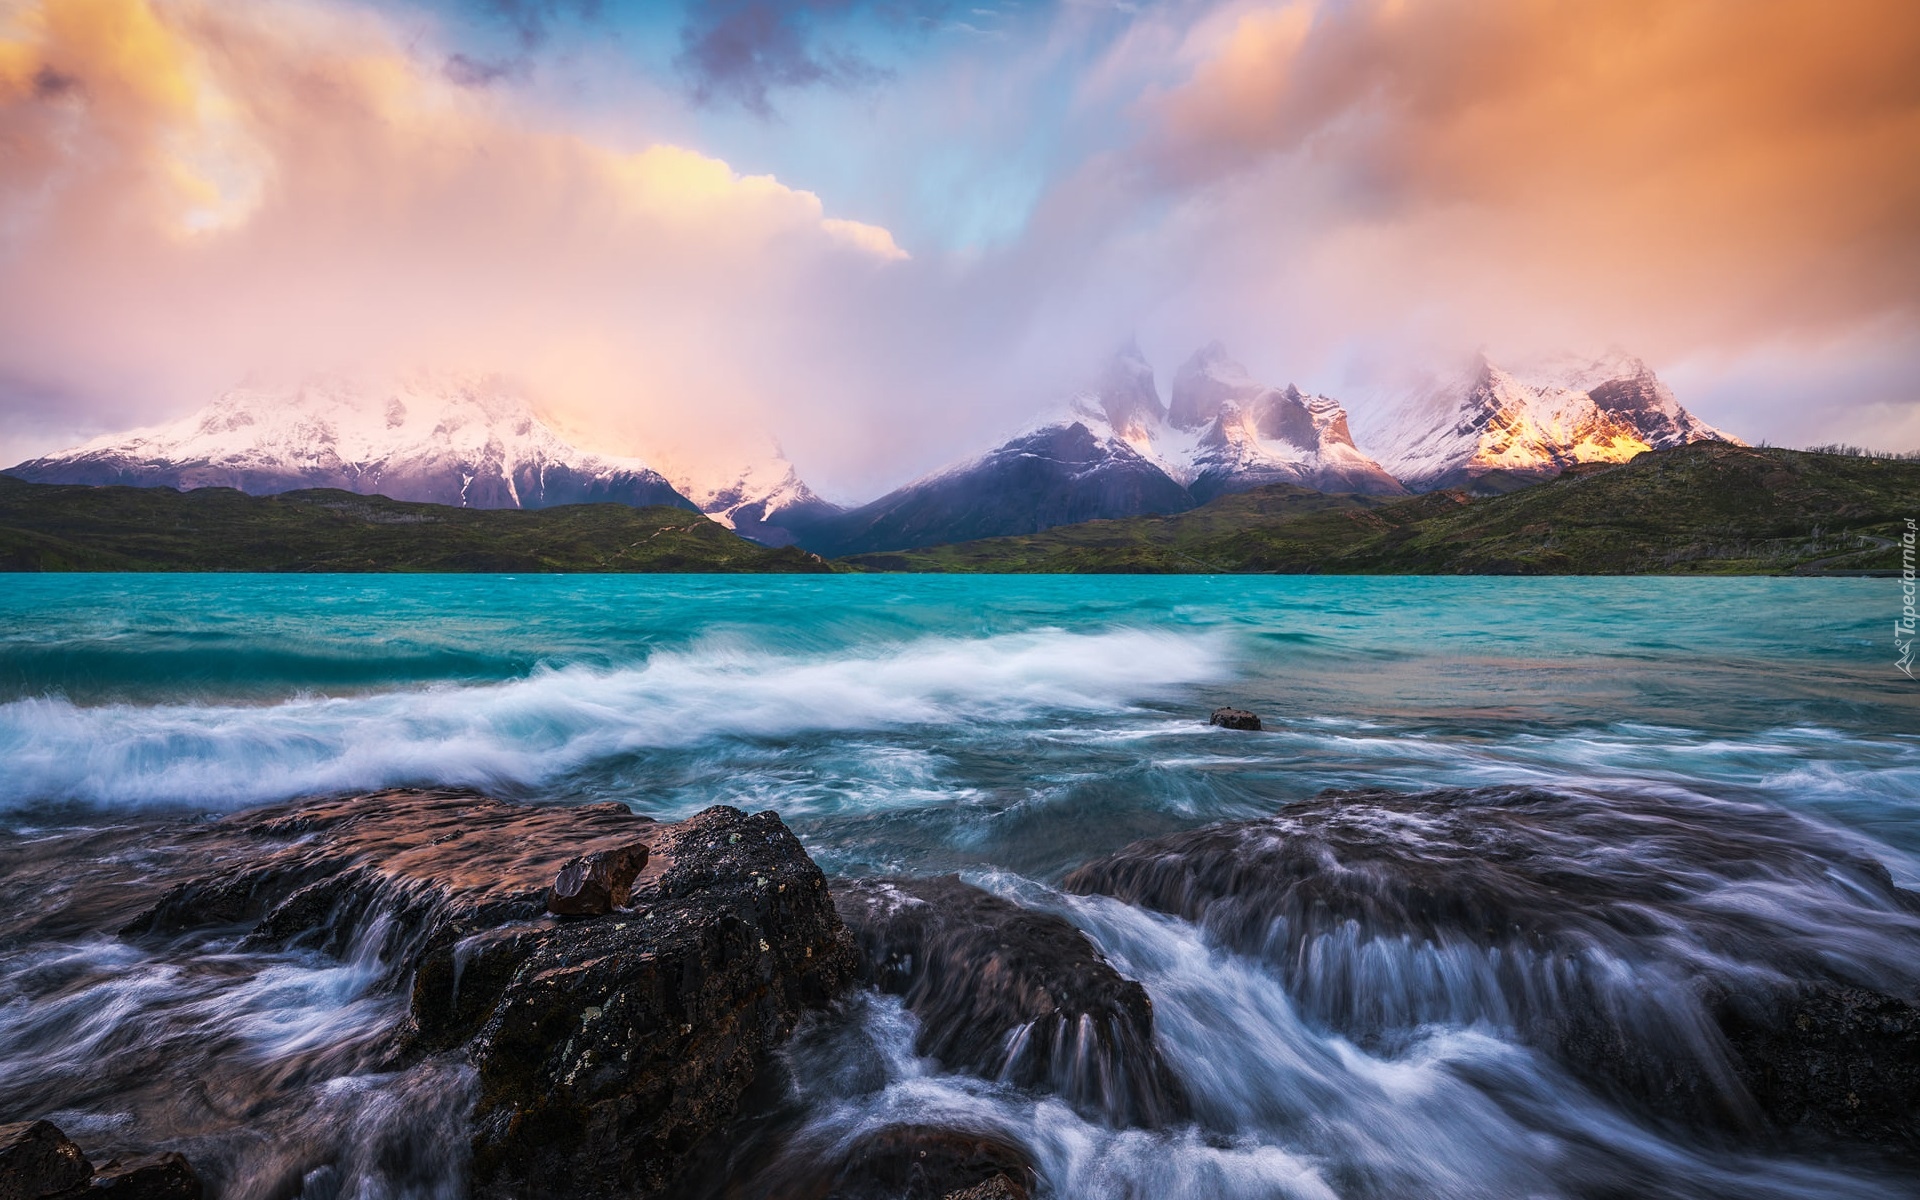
462 440
1224 431
1252 434
763 499
1557 413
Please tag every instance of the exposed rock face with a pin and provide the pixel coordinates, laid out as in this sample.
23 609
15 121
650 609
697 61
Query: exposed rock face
1234 718
606 1047
1670 951
1008 993
37 1161
1532 424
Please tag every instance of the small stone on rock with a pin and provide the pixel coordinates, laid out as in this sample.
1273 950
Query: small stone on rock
593 884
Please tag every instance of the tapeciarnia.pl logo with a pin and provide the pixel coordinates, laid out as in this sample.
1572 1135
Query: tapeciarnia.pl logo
1903 628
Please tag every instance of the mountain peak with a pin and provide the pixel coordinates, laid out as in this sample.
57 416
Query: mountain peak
464 439
1549 415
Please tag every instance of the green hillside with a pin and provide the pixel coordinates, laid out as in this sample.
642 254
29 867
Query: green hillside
1709 508
46 527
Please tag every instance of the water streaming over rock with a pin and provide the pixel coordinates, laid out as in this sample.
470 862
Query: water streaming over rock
1682 812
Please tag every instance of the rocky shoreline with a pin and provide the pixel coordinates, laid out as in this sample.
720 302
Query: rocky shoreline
617 992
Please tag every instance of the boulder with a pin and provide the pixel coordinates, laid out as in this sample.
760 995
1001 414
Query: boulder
1608 929
1234 718
165 1176
606 1046
1008 993
39 1161
593 885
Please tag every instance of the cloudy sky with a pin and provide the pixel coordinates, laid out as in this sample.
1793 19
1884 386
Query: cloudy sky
885 231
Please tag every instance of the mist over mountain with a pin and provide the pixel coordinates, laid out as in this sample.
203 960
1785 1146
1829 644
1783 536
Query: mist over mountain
1112 449
1534 422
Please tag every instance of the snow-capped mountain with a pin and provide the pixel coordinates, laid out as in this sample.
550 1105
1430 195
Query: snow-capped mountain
1535 422
1251 434
1060 475
470 441
763 499
1115 450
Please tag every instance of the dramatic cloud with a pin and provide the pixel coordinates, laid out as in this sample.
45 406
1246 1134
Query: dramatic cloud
1348 192
741 50
1672 175
192 191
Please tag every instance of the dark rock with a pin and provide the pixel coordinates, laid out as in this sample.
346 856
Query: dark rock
1234 718
595 884
165 1176
38 1161
605 1047
920 1162
1012 994
1837 1061
1607 929
1000 1187
407 864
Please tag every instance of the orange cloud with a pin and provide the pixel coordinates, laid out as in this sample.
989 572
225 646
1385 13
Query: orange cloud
192 190
1669 173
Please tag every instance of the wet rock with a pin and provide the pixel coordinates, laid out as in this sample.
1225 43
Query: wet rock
38 1161
1677 953
592 885
608 1048
1234 718
1008 993
605 1047
1000 1187
920 1162
1837 1061
165 1176
402 866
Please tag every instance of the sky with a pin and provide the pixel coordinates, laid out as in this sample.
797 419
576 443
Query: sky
883 233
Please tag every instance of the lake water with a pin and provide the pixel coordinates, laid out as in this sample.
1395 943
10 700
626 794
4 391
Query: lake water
1008 728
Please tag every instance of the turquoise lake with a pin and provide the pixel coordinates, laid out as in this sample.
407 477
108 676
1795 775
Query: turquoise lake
1008 729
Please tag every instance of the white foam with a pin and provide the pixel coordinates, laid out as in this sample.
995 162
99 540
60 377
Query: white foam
531 730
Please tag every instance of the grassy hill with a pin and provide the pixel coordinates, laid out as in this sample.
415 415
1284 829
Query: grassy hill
45 527
1709 508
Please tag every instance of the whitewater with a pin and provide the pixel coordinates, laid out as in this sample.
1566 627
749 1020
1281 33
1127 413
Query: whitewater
1010 729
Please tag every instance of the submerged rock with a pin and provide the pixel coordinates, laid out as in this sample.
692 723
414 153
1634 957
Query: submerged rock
920 1162
38 1161
898 1162
1235 718
606 1047
1009 993
165 1176
1678 953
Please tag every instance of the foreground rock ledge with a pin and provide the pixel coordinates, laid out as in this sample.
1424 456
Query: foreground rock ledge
606 1047
1617 932
1008 993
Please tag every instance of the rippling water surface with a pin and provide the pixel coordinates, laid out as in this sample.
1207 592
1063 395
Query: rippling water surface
1007 728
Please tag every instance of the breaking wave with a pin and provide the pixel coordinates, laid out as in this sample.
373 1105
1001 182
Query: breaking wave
527 732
